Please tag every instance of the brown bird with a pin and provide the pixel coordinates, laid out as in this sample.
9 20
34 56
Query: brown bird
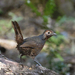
33 45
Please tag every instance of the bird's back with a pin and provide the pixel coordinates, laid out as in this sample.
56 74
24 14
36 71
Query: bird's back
36 40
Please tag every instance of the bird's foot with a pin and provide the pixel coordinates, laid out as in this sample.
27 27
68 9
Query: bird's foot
38 65
21 64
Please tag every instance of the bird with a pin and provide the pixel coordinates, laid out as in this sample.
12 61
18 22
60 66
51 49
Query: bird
30 46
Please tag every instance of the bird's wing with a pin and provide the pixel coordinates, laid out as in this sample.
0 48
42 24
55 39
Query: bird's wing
29 44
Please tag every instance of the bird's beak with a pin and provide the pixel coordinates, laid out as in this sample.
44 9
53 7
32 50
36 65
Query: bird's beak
54 34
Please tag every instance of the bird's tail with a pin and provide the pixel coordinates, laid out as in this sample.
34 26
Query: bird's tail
18 34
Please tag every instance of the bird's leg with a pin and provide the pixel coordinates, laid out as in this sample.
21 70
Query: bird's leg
21 60
21 57
37 62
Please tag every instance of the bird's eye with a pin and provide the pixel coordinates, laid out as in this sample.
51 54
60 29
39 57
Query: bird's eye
48 32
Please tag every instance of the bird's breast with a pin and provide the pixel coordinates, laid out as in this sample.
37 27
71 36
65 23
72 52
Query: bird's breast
40 45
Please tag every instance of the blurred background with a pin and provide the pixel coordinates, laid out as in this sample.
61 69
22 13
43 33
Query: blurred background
34 16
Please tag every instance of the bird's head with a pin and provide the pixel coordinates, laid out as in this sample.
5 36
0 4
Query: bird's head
48 33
